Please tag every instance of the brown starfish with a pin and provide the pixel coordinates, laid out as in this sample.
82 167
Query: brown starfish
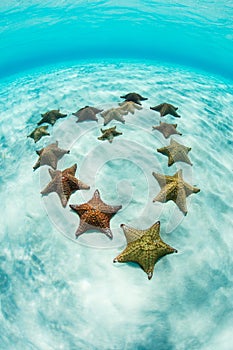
64 183
129 106
176 153
166 108
174 188
95 214
113 113
39 132
166 129
50 155
109 134
51 117
87 113
144 247
134 97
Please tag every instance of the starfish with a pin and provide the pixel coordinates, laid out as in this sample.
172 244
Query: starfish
134 97
166 108
87 113
95 214
109 134
50 155
176 152
64 183
129 106
174 188
113 113
51 117
38 133
144 247
166 129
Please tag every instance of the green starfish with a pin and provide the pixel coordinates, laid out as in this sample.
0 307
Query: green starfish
51 117
39 132
50 155
129 106
64 183
113 113
175 189
166 108
166 129
144 247
109 134
176 153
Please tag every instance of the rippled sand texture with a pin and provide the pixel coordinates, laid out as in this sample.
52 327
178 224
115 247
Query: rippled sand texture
58 293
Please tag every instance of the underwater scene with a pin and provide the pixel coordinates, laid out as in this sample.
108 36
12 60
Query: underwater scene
116 175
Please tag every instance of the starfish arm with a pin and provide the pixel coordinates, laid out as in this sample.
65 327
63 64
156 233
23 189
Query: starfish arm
37 165
51 187
71 170
107 231
161 196
96 110
59 153
97 203
49 159
164 150
170 160
157 108
129 254
190 189
154 230
180 200
83 227
119 117
53 173
77 184
131 234
163 179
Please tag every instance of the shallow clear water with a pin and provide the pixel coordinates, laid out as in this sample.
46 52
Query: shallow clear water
58 293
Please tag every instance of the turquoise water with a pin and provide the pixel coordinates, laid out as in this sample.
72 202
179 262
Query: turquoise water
61 293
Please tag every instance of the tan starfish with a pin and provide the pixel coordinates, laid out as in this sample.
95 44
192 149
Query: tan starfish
109 134
51 117
129 106
113 114
64 183
166 108
144 247
134 97
39 132
50 155
95 214
167 129
176 153
87 113
175 189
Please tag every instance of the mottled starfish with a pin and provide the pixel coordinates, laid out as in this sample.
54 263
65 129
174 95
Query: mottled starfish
51 117
166 108
50 155
109 134
64 183
129 106
87 113
113 114
167 129
175 189
39 132
95 214
176 153
134 97
144 247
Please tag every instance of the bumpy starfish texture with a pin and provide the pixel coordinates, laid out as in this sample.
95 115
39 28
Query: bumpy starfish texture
167 129
176 153
166 108
50 155
39 132
144 247
64 183
51 117
129 106
175 189
109 134
134 97
95 214
113 114
87 113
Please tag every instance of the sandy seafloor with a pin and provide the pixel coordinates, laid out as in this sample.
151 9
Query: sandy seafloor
62 293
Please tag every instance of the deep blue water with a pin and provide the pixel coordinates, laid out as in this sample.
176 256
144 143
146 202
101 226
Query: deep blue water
60 293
